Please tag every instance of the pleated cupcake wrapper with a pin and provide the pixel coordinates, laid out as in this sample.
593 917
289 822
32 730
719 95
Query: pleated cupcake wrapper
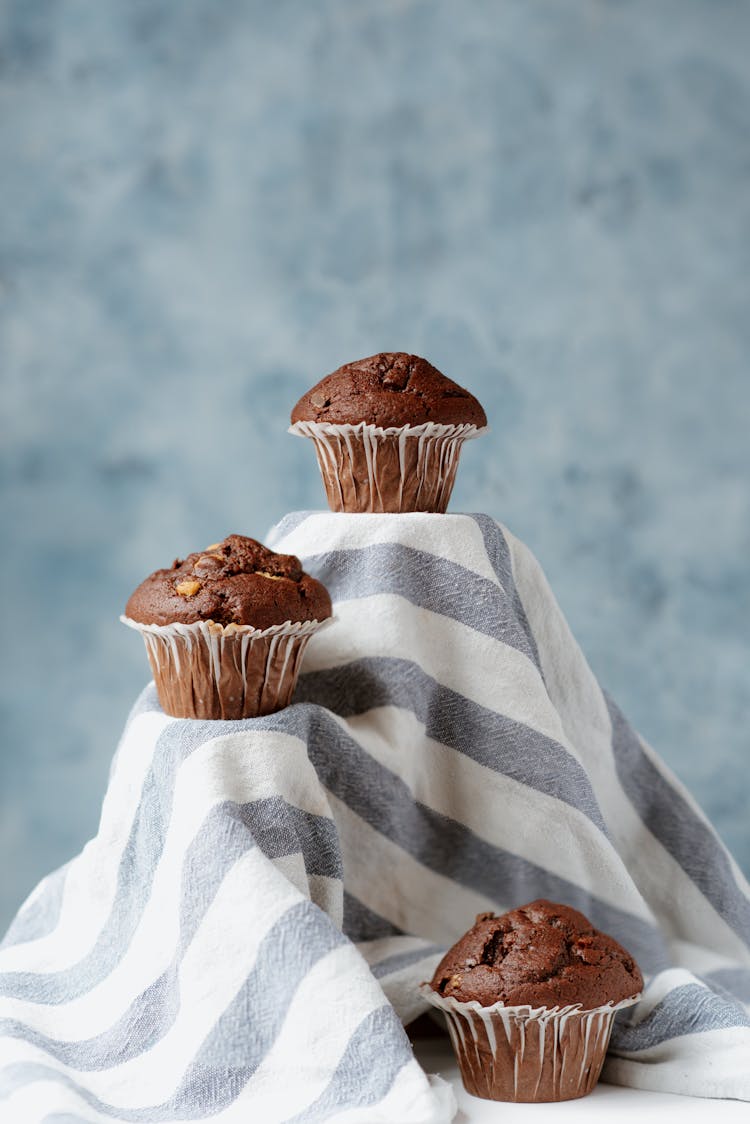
398 468
523 1053
209 670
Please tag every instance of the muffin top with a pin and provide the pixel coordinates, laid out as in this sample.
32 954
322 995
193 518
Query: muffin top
543 955
389 389
237 581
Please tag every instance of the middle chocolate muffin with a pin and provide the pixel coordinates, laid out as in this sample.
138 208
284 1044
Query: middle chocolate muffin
225 628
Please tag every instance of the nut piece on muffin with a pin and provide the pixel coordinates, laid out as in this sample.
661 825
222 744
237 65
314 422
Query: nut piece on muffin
539 987
388 432
225 628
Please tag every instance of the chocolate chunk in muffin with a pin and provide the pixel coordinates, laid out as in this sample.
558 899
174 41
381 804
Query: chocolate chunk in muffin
389 389
236 581
544 955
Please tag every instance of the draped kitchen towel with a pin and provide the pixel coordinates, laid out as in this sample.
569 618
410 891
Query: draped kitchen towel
244 936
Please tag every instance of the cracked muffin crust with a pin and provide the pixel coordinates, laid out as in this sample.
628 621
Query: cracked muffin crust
236 581
389 389
542 954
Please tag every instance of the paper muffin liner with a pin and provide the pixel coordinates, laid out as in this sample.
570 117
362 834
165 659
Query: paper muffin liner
400 468
209 670
529 1054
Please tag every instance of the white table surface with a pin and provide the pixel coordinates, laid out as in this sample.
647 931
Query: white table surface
607 1103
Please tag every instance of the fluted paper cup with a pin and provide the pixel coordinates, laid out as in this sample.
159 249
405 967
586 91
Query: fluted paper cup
399 468
209 670
525 1053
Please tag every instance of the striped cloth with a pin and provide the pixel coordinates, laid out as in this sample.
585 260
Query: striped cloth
244 937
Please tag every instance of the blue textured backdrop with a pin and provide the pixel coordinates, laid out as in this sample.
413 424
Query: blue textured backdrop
207 206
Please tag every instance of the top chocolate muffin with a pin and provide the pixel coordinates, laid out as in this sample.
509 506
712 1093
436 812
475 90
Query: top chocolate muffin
543 955
389 389
237 581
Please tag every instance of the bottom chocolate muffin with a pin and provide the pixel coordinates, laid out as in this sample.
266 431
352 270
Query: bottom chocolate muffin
529 999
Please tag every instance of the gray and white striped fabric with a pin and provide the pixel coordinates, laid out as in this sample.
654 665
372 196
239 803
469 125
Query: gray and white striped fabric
244 937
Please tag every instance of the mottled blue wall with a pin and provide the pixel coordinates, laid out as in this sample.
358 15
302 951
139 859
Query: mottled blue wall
208 205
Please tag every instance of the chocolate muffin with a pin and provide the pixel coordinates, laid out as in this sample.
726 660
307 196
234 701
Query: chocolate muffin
237 581
388 432
529 999
225 629
389 389
543 955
